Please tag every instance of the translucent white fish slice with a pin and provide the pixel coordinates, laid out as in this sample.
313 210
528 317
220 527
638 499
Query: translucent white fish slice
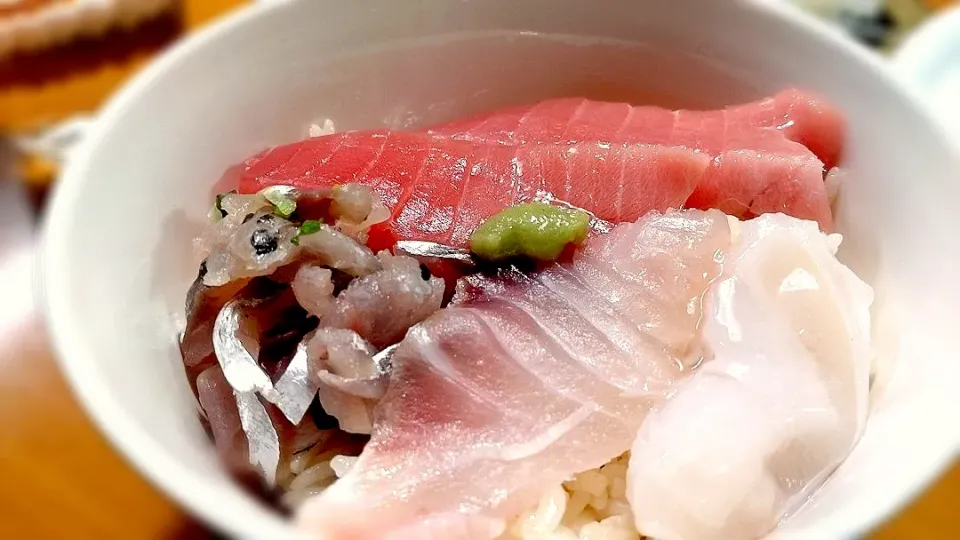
779 402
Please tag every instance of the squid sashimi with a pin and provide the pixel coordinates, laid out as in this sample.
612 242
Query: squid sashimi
525 381
779 402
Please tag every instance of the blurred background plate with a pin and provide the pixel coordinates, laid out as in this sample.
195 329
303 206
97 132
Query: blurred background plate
60 479
929 61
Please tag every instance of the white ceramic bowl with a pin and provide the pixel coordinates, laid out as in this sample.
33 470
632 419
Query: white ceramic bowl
117 258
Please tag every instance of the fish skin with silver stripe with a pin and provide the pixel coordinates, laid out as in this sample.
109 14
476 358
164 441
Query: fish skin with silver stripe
292 395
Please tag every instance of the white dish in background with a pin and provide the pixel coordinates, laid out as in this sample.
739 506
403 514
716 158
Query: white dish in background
929 61
117 252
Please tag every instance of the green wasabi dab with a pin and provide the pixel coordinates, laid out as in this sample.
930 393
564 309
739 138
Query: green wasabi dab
535 230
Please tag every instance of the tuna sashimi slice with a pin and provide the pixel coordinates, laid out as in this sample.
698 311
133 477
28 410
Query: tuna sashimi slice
526 381
769 155
789 116
747 183
612 159
440 190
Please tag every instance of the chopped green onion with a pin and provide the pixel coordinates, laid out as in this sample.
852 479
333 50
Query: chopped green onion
308 227
217 212
282 199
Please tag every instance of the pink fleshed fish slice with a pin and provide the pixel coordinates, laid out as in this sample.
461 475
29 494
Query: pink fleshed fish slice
525 382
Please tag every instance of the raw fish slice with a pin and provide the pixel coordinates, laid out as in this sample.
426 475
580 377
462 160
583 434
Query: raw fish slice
592 117
635 259
611 159
791 115
487 186
313 287
769 156
745 184
381 307
427 214
524 382
779 402
440 190
220 408
349 383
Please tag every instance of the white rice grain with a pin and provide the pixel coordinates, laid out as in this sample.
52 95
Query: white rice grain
545 518
578 503
341 465
618 488
318 130
300 461
617 507
313 476
594 507
613 528
564 533
599 502
593 482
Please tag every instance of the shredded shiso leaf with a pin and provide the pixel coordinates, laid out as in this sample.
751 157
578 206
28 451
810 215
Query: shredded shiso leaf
217 212
308 227
282 199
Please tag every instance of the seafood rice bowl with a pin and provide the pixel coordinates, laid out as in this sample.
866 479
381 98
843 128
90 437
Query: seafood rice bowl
546 310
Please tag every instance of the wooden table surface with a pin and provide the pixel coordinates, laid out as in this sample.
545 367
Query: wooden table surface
58 476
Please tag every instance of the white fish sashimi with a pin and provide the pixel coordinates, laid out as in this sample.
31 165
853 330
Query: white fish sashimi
778 404
526 381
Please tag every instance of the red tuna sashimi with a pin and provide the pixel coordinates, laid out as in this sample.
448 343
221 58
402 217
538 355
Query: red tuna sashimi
440 190
614 160
491 401
769 155
790 116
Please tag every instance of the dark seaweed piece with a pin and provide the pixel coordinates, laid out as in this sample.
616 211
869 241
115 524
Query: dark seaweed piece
320 418
219 202
263 241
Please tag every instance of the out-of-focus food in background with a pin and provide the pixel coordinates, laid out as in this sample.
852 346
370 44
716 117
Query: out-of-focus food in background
31 25
61 59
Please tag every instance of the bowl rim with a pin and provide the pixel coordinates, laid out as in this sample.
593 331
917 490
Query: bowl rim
75 352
